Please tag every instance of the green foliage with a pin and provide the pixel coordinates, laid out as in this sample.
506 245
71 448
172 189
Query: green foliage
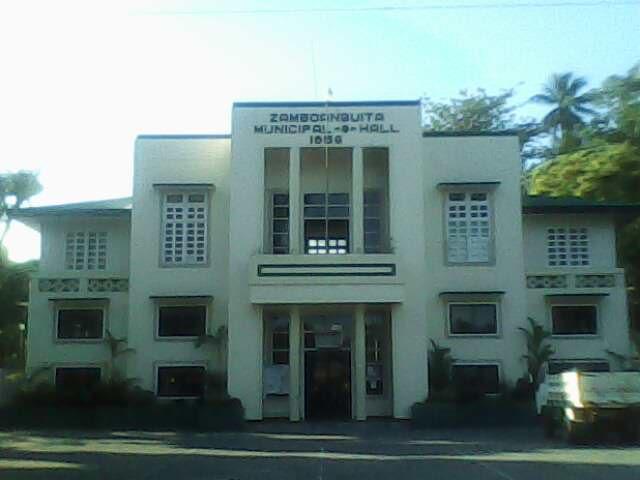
562 92
481 112
537 351
15 189
439 367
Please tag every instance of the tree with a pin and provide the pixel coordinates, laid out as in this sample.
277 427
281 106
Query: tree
481 112
15 190
562 92
537 351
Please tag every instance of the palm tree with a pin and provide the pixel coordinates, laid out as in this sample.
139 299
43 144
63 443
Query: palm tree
562 92
537 351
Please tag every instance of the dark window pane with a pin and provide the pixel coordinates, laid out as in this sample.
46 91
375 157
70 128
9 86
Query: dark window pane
281 240
196 198
574 320
174 198
314 199
80 323
281 358
77 378
372 211
338 199
281 199
281 226
182 321
314 212
372 225
281 212
180 381
309 340
340 212
281 340
477 378
473 319
372 196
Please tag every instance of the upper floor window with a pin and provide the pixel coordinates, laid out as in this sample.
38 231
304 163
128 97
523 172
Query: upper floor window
184 228
568 247
373 221
182 320
280 223
326 223
468 218
86 250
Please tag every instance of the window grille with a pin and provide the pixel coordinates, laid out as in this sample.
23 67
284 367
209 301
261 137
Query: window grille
326 223
280 223
568 247
184 239
86 250
468 227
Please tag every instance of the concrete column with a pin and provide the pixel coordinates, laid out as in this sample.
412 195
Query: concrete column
294 364
357 191
294 201
360 357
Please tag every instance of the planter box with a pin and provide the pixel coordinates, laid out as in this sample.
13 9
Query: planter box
472 415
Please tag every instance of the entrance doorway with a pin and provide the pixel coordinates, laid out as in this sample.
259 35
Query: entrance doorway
328 384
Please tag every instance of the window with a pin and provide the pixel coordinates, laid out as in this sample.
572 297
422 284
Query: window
567 247
280 223
280 345
373 211
180 381
80 323
184 229
86 250
574 319
326 223
559 366
479 378
182 320
377 336
473 319
468 227
77 378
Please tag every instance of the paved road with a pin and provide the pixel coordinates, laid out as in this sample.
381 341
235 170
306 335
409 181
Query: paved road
273 450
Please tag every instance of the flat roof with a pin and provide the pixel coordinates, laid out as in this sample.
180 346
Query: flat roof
362 103
548 204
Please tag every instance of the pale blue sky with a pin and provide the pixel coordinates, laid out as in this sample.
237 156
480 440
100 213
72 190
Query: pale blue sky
80 82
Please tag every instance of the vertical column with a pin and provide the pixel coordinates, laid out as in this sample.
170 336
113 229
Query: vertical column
357 191
294 364
294 201
360 364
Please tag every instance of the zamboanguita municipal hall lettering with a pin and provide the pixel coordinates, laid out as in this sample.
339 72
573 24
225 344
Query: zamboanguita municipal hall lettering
325 128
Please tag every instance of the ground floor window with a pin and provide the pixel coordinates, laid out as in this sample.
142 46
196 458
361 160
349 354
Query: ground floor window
184 381
473 319
182 320
574 319
559 366
77 378
80 323
477 378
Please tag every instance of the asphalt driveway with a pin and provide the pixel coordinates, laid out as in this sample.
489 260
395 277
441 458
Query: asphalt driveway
279 450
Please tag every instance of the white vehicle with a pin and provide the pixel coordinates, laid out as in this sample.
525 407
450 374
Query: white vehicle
582 404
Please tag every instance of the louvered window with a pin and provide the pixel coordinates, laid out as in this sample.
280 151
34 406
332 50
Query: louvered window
86 250
468 227
567 247
184 229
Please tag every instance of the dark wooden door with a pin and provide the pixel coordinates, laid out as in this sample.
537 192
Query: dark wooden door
328 384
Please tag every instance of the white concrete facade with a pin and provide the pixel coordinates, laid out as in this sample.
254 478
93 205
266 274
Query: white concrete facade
261 272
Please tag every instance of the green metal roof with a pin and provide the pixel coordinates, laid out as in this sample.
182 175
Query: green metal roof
547 204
